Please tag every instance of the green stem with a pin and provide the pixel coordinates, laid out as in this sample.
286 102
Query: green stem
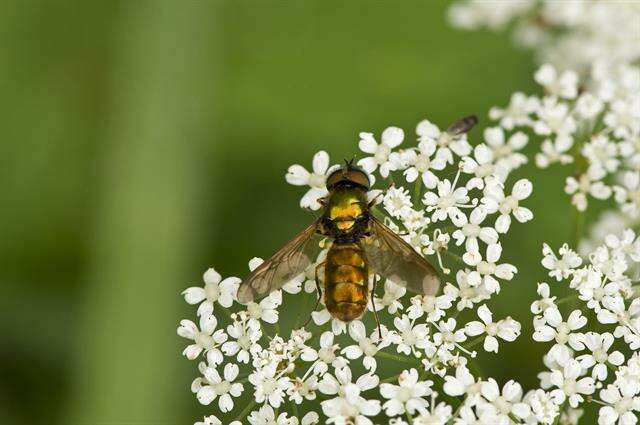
567 298
390 356
246 411
417 190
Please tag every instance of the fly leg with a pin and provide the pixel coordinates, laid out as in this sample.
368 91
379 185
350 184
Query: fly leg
318 291
375 311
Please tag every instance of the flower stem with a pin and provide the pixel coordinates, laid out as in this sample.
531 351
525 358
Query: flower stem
245 411
390 356
417 190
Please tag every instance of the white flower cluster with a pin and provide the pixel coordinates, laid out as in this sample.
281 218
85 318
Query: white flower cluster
584 361
450 201
571 34
595 127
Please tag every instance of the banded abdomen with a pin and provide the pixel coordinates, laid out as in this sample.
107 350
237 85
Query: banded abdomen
346 281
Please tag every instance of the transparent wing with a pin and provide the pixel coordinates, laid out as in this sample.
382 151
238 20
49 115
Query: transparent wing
393 258
291 260
463 125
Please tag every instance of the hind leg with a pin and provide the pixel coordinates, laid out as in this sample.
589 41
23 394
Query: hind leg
318 291
375 311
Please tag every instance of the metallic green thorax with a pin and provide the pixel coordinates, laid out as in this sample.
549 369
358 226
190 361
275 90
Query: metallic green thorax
346 208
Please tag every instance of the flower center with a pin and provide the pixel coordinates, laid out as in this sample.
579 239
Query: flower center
254 310
569 387
503 405
222 387
509 204
423 163
600 355
484 170
244 342
326 355
316 180
486 268
382 153
212 291
562 333
204 340
492 329
471 230
404 395
624 405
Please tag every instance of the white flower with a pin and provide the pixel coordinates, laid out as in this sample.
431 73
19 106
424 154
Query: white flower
397 202
470 230
439 415
554 118
505 152
518 113
381 153
508 402
562 85
599 345
555 151
327 354
270 386
297 175
543 408
507 329
409 336
215 290
562 332
220 388
245 334
623 401
569 386
562 267
601 152
628 195
447 144
496 200
448 336
589 183
419 163
463 383
206 338
482 166
447 202
348 404
391 300
266 416
546 301
209 420
408 396
367 346
487 268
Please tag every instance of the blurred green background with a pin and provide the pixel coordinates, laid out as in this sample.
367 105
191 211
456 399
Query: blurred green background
145 141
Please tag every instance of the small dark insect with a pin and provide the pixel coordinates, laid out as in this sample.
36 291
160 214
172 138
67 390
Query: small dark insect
361 245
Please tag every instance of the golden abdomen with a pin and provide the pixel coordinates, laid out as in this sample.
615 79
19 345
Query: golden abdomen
346 281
